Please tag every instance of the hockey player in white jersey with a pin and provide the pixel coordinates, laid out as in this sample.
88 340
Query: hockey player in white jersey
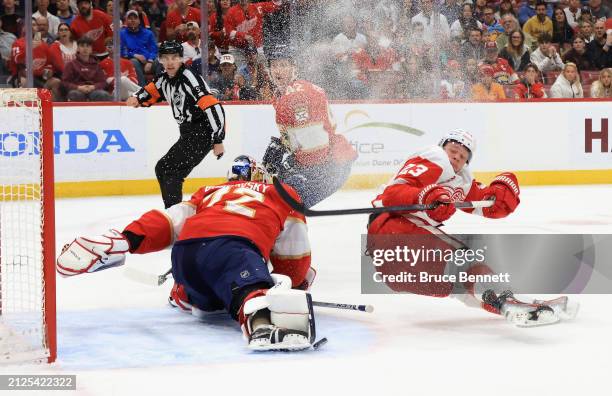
441 175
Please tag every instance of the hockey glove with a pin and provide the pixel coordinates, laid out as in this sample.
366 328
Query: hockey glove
505 190
91 254
434 193
274 155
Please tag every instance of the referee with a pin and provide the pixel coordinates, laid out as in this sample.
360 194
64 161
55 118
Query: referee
200 116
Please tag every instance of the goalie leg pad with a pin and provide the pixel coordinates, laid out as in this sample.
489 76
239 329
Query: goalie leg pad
91 254
292 324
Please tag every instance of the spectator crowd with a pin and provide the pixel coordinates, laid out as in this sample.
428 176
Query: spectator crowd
355 49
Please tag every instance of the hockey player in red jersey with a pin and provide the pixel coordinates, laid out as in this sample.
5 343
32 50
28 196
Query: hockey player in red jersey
222 239
441 175
309 156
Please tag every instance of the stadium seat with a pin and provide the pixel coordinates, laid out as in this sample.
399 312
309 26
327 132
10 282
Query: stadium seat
588 76
586 90
550 77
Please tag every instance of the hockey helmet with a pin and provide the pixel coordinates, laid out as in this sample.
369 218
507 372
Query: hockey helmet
246 168
461 137
170 47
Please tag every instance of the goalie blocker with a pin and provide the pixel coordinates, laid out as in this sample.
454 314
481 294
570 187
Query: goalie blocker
221 244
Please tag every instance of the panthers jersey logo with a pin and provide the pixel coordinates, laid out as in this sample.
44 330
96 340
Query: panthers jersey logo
301 114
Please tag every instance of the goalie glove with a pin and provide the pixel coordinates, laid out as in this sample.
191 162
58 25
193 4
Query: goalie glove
292 325
91 254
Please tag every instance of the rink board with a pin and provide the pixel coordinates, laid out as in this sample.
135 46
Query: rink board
112 150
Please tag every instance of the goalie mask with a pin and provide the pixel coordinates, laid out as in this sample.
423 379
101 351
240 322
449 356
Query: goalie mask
246 168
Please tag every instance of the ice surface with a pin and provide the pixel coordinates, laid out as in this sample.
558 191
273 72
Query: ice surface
121 338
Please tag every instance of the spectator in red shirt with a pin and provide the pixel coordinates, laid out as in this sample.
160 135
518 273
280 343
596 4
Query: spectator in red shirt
176 21
94 24
63 50
41 65
216 27
83 78
244 26
129 80
529 87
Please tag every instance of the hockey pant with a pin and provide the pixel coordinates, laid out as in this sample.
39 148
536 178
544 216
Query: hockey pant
218 273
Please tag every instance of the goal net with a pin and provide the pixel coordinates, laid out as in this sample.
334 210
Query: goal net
27 243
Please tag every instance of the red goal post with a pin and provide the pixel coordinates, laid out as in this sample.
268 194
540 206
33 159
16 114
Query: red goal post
27 227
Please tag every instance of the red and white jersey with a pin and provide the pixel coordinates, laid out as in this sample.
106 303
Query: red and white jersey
307 127
125 66
41 60
426 167
97 28
251 210
238 24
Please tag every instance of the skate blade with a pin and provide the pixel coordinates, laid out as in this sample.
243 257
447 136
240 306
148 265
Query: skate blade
280 347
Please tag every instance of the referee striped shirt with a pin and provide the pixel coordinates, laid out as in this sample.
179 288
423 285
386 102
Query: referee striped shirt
190 99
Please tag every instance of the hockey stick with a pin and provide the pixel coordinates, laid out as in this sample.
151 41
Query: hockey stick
298 206
351 307
146 278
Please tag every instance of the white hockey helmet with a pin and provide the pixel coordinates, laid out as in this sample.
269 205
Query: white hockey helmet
245 167
462 137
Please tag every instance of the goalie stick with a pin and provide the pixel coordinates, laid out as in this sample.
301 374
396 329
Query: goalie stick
298 206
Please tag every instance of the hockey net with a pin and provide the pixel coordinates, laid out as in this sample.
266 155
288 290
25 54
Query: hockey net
27 230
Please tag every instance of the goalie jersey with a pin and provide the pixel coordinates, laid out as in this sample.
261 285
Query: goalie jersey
250 210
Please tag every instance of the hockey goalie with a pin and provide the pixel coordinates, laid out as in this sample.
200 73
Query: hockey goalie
440 175
222 240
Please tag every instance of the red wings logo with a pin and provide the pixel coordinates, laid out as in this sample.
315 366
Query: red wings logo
95 33
38 63
457 194
247 25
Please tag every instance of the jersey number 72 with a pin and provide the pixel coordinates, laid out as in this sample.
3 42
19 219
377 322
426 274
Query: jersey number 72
236 205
